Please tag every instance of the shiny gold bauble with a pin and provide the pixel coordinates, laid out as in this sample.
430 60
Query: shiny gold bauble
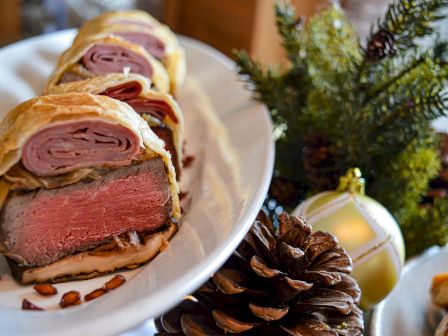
365 229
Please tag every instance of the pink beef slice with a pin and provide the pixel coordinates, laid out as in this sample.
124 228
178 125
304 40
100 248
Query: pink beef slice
40 227
102 59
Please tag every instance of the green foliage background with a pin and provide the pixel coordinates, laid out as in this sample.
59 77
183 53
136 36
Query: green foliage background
372 104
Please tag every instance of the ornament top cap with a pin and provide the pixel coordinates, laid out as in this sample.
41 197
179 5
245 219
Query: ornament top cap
352 182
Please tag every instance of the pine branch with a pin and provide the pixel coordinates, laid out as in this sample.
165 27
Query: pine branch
369 107
290 29
332 51
386 74
393 80
265 85
440 52
408 20
408 174
405 22
276 90
402 119
425 226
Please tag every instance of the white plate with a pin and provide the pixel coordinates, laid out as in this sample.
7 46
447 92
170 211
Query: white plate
408 309
230 137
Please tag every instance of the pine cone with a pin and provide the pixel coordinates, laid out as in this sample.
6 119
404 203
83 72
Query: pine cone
381 45
285 191
290 282
320 163
438 187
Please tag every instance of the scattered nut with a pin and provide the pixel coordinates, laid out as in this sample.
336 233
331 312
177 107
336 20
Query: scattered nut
115 282
27 305
164 246
72 298
95 294
187 161
45 289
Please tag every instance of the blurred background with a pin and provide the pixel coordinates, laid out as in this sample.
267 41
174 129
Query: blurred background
228 24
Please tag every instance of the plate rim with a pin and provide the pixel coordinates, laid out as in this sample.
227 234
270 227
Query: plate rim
374 327
213 261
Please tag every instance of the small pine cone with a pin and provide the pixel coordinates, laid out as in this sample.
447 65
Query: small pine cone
443 149
438 187
285 191
320 163
278 282
381 45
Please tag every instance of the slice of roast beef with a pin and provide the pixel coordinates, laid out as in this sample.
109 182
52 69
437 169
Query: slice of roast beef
64 147
38 228
103 59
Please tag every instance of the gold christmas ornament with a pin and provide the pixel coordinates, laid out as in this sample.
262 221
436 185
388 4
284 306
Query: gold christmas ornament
365 229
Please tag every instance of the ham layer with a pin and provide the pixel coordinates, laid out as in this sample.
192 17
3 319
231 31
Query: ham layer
68 146
129 93
123 91
103 59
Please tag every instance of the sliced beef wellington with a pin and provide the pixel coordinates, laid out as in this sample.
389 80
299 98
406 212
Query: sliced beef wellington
118 212
159 109
98 55
141 28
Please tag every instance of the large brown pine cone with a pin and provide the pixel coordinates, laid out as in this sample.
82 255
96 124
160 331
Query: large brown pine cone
278 282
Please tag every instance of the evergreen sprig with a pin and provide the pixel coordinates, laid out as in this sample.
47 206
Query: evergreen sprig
408 20
289 28
340 105
264 84
421 227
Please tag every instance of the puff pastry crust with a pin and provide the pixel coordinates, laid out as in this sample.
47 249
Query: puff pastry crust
71 58
28 118
111 23
100 84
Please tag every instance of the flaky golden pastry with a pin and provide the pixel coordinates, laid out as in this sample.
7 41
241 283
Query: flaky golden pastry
70 61
28 118
111 23
135 15
100 84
